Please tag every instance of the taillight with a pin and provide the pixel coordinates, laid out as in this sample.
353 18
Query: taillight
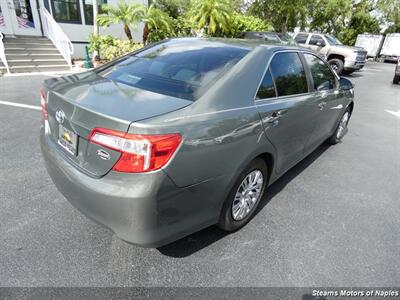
43 103
139 152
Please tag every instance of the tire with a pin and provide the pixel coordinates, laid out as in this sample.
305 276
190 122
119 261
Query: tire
340 132
230 221
337 65
396 79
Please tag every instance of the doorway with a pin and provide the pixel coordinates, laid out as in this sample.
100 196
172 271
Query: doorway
19 17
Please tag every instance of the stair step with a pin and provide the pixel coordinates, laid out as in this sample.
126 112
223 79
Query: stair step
26 40
28 45
28 48
31 51
26 54
44 68
18 56
35 62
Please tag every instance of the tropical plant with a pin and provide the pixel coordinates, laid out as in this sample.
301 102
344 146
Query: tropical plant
127 14
183 26
119 48
214 16
174 8
158 25
110 47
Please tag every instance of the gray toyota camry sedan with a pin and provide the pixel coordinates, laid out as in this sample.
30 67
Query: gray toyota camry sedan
187 133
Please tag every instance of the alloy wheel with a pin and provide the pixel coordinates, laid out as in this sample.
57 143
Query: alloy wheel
343 125
247 195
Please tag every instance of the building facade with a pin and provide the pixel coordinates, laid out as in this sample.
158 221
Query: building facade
75 18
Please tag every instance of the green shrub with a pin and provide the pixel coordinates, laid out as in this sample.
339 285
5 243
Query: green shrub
109 47
119 48
182 26
241 23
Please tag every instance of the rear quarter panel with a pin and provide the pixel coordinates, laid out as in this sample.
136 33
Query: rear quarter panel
222 131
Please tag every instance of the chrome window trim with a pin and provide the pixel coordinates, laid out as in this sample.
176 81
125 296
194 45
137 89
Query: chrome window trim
272 101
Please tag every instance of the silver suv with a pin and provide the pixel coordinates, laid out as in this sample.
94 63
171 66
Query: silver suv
342 58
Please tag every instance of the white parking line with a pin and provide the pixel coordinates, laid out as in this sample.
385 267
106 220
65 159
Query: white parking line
397 114
20 105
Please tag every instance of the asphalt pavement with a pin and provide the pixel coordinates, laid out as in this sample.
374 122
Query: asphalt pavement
333 220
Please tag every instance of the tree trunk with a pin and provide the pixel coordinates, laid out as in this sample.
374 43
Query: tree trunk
128 32
146 32
284 25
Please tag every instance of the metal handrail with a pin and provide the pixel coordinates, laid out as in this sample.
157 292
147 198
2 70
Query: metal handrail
54 32
3 54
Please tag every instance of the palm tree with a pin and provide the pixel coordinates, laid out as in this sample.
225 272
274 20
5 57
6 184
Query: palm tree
127 14
212 15
156 22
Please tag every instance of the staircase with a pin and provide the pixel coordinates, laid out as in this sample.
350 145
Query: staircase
26 54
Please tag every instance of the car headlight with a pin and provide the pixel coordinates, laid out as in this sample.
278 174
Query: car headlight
355 54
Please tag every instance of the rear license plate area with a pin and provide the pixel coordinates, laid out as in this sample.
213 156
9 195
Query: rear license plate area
67 139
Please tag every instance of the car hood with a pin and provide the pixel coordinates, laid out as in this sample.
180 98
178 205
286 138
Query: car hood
349 48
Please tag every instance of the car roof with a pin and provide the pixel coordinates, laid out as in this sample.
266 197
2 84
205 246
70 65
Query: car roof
235 42
305 32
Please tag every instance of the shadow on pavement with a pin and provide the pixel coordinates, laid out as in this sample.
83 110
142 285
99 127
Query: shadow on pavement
199 240
353 75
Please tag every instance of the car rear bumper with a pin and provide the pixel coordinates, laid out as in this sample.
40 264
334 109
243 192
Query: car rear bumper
143 209
353 64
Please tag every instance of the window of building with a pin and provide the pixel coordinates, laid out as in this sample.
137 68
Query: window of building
289 75
66 11
267 87
322 76
88 10
301 38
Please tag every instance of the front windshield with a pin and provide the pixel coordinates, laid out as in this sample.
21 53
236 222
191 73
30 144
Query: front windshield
180 69
332 40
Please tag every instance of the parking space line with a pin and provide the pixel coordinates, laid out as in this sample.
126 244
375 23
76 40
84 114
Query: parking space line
397 114
20 105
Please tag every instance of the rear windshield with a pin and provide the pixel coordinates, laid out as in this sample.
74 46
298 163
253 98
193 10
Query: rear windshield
178 69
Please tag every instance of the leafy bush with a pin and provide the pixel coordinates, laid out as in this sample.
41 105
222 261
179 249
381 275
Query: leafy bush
241 23
109 47
118 49
182 26
158 25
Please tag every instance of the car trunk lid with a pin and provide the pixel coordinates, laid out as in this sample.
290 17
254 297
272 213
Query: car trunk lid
77 104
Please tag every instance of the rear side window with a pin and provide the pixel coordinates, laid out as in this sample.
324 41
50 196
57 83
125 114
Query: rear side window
322 76
267 87
315 39
180 69
301 38
289 75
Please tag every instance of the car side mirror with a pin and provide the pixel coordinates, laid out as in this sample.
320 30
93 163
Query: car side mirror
320 44
345 84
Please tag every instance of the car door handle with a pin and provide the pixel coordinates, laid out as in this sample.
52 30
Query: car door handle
274 117
324 95
322 105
